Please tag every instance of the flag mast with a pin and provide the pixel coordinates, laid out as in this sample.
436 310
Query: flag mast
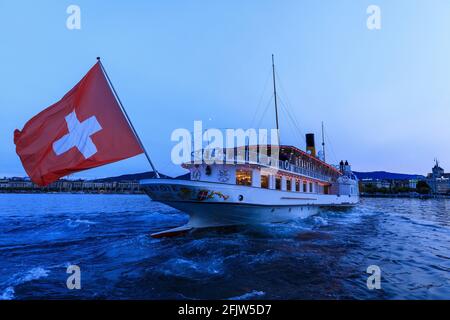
128 119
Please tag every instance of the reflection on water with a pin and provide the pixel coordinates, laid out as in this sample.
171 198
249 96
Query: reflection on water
322 257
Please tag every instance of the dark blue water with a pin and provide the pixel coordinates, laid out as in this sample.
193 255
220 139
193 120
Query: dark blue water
323 257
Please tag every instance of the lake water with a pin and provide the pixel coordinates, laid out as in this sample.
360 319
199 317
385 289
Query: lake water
322 257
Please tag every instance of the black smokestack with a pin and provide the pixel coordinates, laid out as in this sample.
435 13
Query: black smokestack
310 144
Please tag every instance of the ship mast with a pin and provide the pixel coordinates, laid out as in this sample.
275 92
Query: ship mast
275 99
323 143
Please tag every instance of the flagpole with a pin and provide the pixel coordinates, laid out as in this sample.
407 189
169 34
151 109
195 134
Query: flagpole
128 119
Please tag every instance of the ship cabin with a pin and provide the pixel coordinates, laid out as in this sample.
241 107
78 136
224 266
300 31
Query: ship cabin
293 170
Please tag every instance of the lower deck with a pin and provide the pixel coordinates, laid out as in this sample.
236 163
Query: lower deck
186 191
218 204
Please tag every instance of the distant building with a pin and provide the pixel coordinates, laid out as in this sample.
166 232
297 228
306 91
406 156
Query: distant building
17 184
389 184
20 183
378 183
4 183
406 183
438 180
413 183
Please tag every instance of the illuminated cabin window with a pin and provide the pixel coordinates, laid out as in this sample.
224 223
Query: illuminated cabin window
310 187
288 184
304 186
244 177
297 185
265 181
278 183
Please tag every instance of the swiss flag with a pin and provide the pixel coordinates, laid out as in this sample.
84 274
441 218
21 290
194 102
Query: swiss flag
85 129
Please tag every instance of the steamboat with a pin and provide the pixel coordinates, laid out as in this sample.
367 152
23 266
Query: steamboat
252 187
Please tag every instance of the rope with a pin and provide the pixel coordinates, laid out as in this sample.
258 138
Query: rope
264 113
260 100
289 105
297 132
331 147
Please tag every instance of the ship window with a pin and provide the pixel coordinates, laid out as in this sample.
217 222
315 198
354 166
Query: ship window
265 181
304 186
297 185
244 177
326 189
310 187
288 184
278 183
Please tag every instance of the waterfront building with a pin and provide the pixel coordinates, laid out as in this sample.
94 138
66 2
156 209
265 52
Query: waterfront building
412 183
19 184
4 183
388 185
438 180
378 183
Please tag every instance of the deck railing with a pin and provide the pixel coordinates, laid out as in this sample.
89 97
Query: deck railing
251 157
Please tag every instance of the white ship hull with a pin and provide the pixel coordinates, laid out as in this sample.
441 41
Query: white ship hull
217 204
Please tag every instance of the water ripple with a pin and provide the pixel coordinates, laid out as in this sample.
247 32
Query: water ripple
322 257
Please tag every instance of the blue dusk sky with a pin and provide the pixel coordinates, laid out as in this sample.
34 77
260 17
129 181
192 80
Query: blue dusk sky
384 95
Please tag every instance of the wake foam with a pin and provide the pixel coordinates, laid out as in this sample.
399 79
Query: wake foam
21 278
248 295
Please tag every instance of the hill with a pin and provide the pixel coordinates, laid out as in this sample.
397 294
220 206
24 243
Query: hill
383 175
132 177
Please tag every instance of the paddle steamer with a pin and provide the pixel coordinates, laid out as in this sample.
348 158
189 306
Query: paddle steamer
251 186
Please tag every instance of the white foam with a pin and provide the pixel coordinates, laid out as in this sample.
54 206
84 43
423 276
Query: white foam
249 295
192 269
318 220
21 278
76 223
8 294
33 274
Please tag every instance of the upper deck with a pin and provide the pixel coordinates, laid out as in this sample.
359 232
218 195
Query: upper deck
290 160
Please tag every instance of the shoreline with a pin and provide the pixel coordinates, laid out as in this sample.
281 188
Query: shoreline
362 195
68 192
405 196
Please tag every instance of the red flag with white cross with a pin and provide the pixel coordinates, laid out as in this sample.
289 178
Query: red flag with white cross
85 129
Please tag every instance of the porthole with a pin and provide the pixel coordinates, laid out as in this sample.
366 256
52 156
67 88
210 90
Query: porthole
241 197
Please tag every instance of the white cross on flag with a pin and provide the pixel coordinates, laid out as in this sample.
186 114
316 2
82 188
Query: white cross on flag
85 129
79 136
